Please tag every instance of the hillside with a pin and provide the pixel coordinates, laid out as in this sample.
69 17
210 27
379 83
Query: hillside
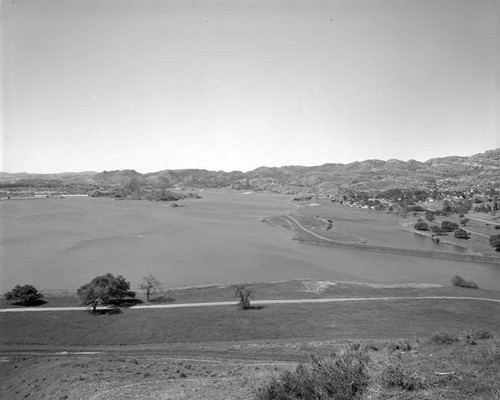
453 172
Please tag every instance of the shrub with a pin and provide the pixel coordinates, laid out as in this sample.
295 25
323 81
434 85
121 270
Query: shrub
470 337
461 234
26 295
402 345
421 226
341 377
461 282
397 375
443 338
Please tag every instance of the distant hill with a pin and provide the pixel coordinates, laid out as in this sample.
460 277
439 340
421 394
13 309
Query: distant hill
453 171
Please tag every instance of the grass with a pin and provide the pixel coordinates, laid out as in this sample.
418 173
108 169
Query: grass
377 319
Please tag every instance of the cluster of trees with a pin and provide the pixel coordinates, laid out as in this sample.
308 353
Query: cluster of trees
446 226
487 208
108 289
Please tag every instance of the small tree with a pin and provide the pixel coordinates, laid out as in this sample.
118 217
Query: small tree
429 216
449 226
421 226
243 294
150 284
462 234
26 295
495 242
104 289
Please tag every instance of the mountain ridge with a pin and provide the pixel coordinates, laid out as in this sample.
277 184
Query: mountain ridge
372 174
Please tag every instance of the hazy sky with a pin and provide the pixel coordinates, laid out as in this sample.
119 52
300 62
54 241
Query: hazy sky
233 84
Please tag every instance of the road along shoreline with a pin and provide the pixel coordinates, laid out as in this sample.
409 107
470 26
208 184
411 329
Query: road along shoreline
394 250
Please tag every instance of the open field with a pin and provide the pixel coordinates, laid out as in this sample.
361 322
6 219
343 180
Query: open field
60 244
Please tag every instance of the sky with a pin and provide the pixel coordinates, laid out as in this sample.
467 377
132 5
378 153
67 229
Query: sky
237 84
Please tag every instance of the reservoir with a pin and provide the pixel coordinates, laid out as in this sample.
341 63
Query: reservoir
61 244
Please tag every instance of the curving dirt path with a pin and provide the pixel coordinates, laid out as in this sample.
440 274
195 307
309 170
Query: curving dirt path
257 302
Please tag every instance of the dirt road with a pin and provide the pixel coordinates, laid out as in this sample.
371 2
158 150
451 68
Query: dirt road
255 302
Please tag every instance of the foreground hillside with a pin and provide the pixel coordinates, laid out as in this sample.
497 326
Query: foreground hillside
405 348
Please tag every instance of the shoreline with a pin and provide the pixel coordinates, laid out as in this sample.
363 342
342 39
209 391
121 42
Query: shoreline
382 249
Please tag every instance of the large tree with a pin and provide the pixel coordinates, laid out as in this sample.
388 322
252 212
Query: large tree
26 295
104 289
495 242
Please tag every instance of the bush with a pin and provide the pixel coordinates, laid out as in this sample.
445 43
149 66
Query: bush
461 234
397 375
402 345
461 282
449 226
341 377
464 336
497 226
26 295
421 226
443 338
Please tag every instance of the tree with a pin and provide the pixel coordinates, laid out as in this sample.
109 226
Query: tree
421 226
462 234
244 295
495 242
449 226
104 289
26 295
464 221
150 284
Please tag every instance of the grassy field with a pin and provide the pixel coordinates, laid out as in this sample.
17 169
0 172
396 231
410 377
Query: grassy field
374 319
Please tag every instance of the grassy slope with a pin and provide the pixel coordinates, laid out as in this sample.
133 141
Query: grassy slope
472 372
